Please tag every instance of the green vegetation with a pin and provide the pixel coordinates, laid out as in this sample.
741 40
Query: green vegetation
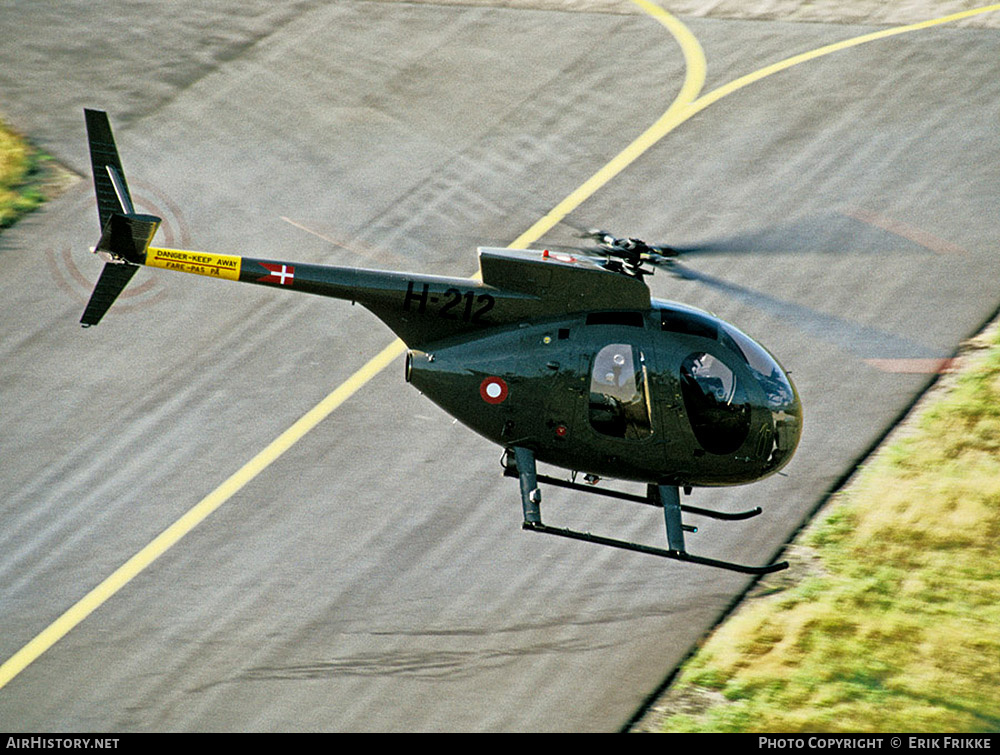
26 177
898 626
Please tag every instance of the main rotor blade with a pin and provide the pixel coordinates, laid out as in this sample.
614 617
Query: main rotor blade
830 233
827 233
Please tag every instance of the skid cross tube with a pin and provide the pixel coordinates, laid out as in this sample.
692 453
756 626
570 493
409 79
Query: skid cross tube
724 516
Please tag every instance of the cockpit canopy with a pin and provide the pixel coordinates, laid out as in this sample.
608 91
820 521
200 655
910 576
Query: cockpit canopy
718 398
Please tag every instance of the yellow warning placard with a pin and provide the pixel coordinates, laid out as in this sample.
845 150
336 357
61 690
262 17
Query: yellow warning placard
200 263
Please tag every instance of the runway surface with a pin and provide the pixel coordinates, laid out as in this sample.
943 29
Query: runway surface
374 576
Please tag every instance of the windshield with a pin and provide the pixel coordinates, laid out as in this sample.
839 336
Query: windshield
777 389
782 400
718 402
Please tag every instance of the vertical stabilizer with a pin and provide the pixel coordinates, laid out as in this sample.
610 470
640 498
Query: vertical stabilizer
109 178
125 234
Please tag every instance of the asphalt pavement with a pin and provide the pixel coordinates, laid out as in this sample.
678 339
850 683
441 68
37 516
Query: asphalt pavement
374 577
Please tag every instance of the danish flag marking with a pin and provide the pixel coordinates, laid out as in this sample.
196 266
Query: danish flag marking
281 274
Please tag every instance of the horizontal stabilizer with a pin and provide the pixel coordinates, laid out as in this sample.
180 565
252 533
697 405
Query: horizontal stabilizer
114 278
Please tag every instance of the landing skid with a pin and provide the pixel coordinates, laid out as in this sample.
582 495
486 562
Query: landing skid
665 496
663 553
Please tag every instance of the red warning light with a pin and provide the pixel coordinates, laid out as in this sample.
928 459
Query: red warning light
547 255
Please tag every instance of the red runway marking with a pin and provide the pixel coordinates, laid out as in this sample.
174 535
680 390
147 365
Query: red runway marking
913 366
926 240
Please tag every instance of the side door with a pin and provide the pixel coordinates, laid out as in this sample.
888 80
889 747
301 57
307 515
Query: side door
619 416
619 404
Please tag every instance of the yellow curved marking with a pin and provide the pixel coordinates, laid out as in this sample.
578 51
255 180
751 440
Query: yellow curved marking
723 91
682 108
694 80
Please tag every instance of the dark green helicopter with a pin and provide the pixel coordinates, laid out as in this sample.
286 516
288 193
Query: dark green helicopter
557 357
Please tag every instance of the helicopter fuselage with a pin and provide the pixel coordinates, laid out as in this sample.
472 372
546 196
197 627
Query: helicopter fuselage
669 395
554 353
559 355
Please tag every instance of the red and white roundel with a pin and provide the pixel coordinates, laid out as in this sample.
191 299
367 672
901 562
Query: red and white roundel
493 390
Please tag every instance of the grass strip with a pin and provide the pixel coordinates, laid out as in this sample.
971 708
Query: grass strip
896 625
28 177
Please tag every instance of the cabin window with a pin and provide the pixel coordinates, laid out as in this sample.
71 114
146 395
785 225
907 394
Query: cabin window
619 393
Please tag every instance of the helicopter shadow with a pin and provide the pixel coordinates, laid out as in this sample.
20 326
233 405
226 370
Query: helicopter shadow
863 341
855 232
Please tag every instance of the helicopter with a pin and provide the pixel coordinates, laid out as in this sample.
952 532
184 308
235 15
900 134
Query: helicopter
558 357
